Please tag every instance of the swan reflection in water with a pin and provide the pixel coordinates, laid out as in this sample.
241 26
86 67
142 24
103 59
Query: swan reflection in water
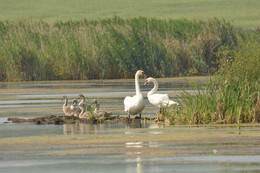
80 128
136 156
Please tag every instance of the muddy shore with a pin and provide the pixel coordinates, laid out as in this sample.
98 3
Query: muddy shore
60 120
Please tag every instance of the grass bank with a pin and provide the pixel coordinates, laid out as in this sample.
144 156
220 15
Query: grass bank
243 13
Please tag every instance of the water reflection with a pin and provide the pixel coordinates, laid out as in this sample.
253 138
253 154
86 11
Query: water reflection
138 160
134 144
83 128
150 144
80 128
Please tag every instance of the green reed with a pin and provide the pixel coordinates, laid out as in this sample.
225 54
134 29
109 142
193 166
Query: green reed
111 48
233 94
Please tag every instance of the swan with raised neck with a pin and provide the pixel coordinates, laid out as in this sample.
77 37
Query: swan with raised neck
158 100
135 104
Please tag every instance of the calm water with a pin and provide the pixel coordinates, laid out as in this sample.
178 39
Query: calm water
33 99
44 98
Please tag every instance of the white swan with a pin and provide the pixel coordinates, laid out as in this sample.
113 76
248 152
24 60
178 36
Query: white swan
135 104
66 109
158 100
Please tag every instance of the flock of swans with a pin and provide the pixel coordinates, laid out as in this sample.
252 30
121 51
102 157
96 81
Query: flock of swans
133 104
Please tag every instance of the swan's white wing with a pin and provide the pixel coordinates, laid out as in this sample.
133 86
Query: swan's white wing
128 102
134 105
171 102
158 99
167 102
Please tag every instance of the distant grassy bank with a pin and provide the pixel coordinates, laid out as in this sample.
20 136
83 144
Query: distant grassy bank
243 13
113 48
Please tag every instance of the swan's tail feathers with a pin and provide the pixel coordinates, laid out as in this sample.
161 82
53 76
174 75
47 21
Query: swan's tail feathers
171 102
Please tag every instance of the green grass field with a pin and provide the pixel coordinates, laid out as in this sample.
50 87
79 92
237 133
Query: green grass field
243 13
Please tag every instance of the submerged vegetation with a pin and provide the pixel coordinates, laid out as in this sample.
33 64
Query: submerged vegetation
111 48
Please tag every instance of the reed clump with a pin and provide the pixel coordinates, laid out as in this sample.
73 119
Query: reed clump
111 48
232 95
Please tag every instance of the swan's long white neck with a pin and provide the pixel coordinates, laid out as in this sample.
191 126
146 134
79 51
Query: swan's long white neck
137 87
155 88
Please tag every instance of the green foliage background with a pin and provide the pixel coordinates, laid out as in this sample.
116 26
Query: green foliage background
111 48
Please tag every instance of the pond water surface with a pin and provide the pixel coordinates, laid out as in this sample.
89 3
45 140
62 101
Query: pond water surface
26 98
115 147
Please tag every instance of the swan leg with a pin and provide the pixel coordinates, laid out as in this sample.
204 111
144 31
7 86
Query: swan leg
160 111
140 115
128 116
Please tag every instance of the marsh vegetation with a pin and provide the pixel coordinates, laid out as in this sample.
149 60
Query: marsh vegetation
233 93
115 48
111 48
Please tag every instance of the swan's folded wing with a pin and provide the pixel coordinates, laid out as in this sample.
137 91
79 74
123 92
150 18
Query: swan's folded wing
171 102
127 102
167 102
131 102
161 97
157 99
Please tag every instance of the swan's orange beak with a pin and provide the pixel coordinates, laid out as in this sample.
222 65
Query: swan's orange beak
144 75
146 82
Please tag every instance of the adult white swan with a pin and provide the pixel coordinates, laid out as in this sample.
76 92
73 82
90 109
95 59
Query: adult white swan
135 104
158 100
